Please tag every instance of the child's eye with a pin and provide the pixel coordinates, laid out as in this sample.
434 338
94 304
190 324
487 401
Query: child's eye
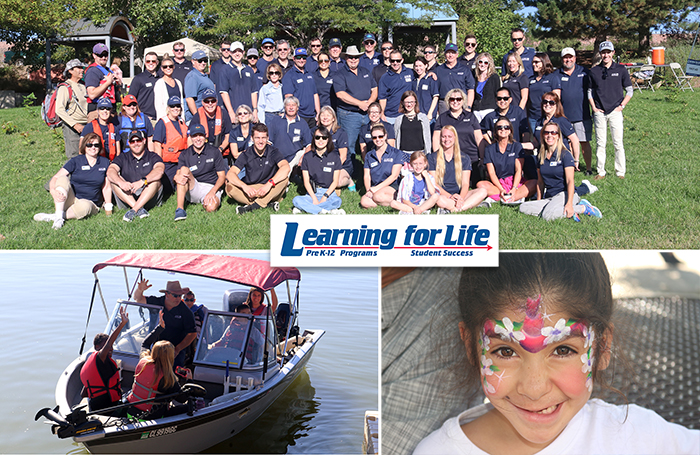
564 351
504 352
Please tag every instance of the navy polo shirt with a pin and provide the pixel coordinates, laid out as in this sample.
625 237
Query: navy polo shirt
211 125
159 133
142 89
259 77
133 169
504 163
391 86
567 129
552 172
259 168
574 94
215 71
179 321
366 133
527 56
87 180
336 66
239 83
515 84
204 166
104 133
321 168
371 62
449 181
311 64
379 71
236 137
194 86
303 87
381 170
262 65
426 89
340 140
359 86
548 83
464 124
516 116
288 137
324 88
181 70
459 76
608 93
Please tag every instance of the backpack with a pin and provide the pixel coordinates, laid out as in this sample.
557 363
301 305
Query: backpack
48 107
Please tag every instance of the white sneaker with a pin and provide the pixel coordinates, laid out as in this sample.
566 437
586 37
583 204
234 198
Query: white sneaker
486 203
58 223
296 211
338 212
591 187
45 217
324 212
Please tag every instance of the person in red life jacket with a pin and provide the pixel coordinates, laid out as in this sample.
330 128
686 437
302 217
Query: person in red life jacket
256 301
100 374
132 119
154 376
215 120
99 80
105 126
169 139
202 174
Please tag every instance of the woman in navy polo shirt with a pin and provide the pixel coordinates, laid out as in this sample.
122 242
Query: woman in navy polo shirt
556 195
320 170
374 112
553 111
382 168
504 160
516 81
426 89
240 137
544 80
80 186
329 120
452 170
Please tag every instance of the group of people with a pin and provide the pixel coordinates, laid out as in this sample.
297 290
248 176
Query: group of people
309 115
169 348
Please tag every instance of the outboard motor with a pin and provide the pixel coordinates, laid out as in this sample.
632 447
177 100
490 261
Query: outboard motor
73 424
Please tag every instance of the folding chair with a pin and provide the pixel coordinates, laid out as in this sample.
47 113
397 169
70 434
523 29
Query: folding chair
682 81
645 75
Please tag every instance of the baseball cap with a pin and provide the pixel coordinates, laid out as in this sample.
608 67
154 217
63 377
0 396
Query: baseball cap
334 42
128 99
606 46
237 45
198 55
174 101
99 48
268 41
452 47
136 134
568 51
369 37
104 102
252 51
75 63
300 51
197 129
208 93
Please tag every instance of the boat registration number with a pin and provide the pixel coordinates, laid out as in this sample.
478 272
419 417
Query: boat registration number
159 432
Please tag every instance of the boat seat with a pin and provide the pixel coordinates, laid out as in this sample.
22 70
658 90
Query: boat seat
233 298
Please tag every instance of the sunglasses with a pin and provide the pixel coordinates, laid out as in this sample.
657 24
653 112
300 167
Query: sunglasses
483 62
502 127
179 50
378 137
268 46
516 39
132 105
91 145
273 73
167 67
353 57
300 57
104 109
369 42
252 57
549 103
550 133
502 98
225 49
453 100
469 44
151 61
323 60
387 49
318 138
315 46
396 60
201 60
189 299
177 106
429 52
605 72
209 101
103 55
242 113
135 140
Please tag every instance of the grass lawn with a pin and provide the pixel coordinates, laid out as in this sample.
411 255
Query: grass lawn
656 206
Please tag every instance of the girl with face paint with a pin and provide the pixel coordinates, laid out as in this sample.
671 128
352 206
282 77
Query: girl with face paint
538 338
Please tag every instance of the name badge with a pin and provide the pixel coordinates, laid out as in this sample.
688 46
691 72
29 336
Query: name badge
210 160
146 164
375 61
366 76
564 79
149 84
461 73
217 122
240 138
554 163
407 78
615 74
368 135
374 164
511 154
85 168
327 169
425 87
296 138
299 81
297 131
329 81
388 160
102 169
193 168
581 75
247 74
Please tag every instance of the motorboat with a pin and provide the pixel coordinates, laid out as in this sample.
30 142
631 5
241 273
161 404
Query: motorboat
232 384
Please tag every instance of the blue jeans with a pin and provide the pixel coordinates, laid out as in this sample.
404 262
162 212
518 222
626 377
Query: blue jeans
351 122
306 203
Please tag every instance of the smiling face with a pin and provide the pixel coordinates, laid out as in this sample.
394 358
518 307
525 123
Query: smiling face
335 52
199 140
512 64
419 164
291 110
447 139
283 51
374 114
550 134
451 57
419 68
517 38
607 56
549 105
503 100
409 103
537 66
131 109
396 61
326 118
568 62
260 140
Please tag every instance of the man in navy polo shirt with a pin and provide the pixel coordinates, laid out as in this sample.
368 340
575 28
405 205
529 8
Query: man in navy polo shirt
452 74
196 83
252 58
182 65
300 83
574 98
266 174
201 176
290 134
238 84
384 64
142 86
517 37
611 89
370 58
214 120
392 85
315 47
356 90
468 59
216 68
135 178
335 48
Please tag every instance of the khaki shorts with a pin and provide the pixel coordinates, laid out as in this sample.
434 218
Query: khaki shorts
197 194
82 208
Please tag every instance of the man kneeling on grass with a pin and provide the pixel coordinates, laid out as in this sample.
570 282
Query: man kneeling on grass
266 174
135 178
201 174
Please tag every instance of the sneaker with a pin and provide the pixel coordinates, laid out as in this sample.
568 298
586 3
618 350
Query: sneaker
591 210
58 223
591 187
352 188
129 215
441 211
485 204
241 209
45 217
576 218
405 213
276 206
180 214
296 211
338 212
142 213
324 212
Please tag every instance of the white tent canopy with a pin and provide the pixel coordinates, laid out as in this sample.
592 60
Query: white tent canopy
190 47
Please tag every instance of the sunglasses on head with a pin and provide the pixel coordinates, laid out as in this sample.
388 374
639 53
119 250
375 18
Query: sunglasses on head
92 145
318 138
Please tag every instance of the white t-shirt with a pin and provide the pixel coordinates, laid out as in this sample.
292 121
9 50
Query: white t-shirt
598 428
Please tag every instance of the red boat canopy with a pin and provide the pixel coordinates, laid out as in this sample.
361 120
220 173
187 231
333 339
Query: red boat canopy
249 272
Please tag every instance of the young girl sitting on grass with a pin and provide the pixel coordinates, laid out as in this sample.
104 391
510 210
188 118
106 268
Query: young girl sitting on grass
538 336
417 192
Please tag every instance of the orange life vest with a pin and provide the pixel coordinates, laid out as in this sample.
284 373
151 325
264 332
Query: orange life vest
145 384
91 379
112 144
174 141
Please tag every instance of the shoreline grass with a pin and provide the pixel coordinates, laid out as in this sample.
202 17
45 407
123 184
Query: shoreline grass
657 205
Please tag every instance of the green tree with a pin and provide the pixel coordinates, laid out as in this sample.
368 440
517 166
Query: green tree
491 21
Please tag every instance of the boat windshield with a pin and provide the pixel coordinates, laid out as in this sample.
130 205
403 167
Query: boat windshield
142 320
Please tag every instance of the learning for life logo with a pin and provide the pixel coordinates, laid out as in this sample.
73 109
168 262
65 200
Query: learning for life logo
384 241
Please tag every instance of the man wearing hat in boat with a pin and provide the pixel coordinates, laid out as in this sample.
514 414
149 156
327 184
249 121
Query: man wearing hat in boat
180 328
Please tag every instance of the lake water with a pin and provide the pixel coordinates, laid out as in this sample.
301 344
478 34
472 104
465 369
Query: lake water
46 296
